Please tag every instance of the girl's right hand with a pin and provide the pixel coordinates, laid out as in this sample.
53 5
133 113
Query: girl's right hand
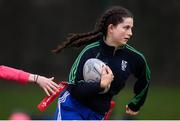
48 85
106 76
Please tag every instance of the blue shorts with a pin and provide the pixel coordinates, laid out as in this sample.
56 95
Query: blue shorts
70 109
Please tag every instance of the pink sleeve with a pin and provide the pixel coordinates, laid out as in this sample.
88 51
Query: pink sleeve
9 73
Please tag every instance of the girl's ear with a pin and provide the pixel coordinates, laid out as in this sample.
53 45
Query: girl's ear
110 28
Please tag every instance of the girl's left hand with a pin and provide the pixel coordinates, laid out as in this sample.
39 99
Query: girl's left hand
130 112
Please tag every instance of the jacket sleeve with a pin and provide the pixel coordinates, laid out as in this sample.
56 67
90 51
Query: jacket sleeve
80 88
142 73
12 74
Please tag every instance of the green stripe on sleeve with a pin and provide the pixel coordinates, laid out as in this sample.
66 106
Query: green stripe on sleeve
147 67
137 98
73 71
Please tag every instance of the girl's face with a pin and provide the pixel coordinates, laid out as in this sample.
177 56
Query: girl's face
119 35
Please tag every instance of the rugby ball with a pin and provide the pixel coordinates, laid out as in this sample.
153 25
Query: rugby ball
92 71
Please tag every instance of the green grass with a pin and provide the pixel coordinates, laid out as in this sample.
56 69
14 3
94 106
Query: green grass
162 103
23 98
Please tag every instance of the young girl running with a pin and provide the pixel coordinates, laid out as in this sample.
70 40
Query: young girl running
107 42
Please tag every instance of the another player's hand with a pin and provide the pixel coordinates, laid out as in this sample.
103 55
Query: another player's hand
106 76
48 85
130 112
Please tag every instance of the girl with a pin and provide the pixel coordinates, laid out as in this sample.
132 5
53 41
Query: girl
107 42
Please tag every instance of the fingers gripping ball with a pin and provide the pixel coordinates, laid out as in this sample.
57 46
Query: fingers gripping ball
106 89
92 71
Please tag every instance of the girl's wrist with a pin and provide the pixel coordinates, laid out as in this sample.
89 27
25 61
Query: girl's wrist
33 78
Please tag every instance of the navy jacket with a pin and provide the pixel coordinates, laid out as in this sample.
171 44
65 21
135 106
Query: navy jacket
123 62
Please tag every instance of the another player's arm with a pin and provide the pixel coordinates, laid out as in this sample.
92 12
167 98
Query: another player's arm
23 77
47 84
13 74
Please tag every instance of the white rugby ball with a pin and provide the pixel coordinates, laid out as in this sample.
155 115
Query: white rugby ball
92 71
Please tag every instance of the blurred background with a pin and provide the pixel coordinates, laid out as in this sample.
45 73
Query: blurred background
30 29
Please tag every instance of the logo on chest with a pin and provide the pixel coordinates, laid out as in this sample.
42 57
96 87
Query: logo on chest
123 65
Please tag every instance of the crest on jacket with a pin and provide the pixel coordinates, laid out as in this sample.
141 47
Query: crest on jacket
123 65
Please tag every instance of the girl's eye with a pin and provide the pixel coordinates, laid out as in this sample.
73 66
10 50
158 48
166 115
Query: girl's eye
127 27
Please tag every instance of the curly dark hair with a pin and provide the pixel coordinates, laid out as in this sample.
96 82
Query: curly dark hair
114 15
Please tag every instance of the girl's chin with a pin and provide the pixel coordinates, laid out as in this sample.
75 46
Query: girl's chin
123 43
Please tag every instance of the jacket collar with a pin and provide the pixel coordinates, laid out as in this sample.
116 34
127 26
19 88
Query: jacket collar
110 49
